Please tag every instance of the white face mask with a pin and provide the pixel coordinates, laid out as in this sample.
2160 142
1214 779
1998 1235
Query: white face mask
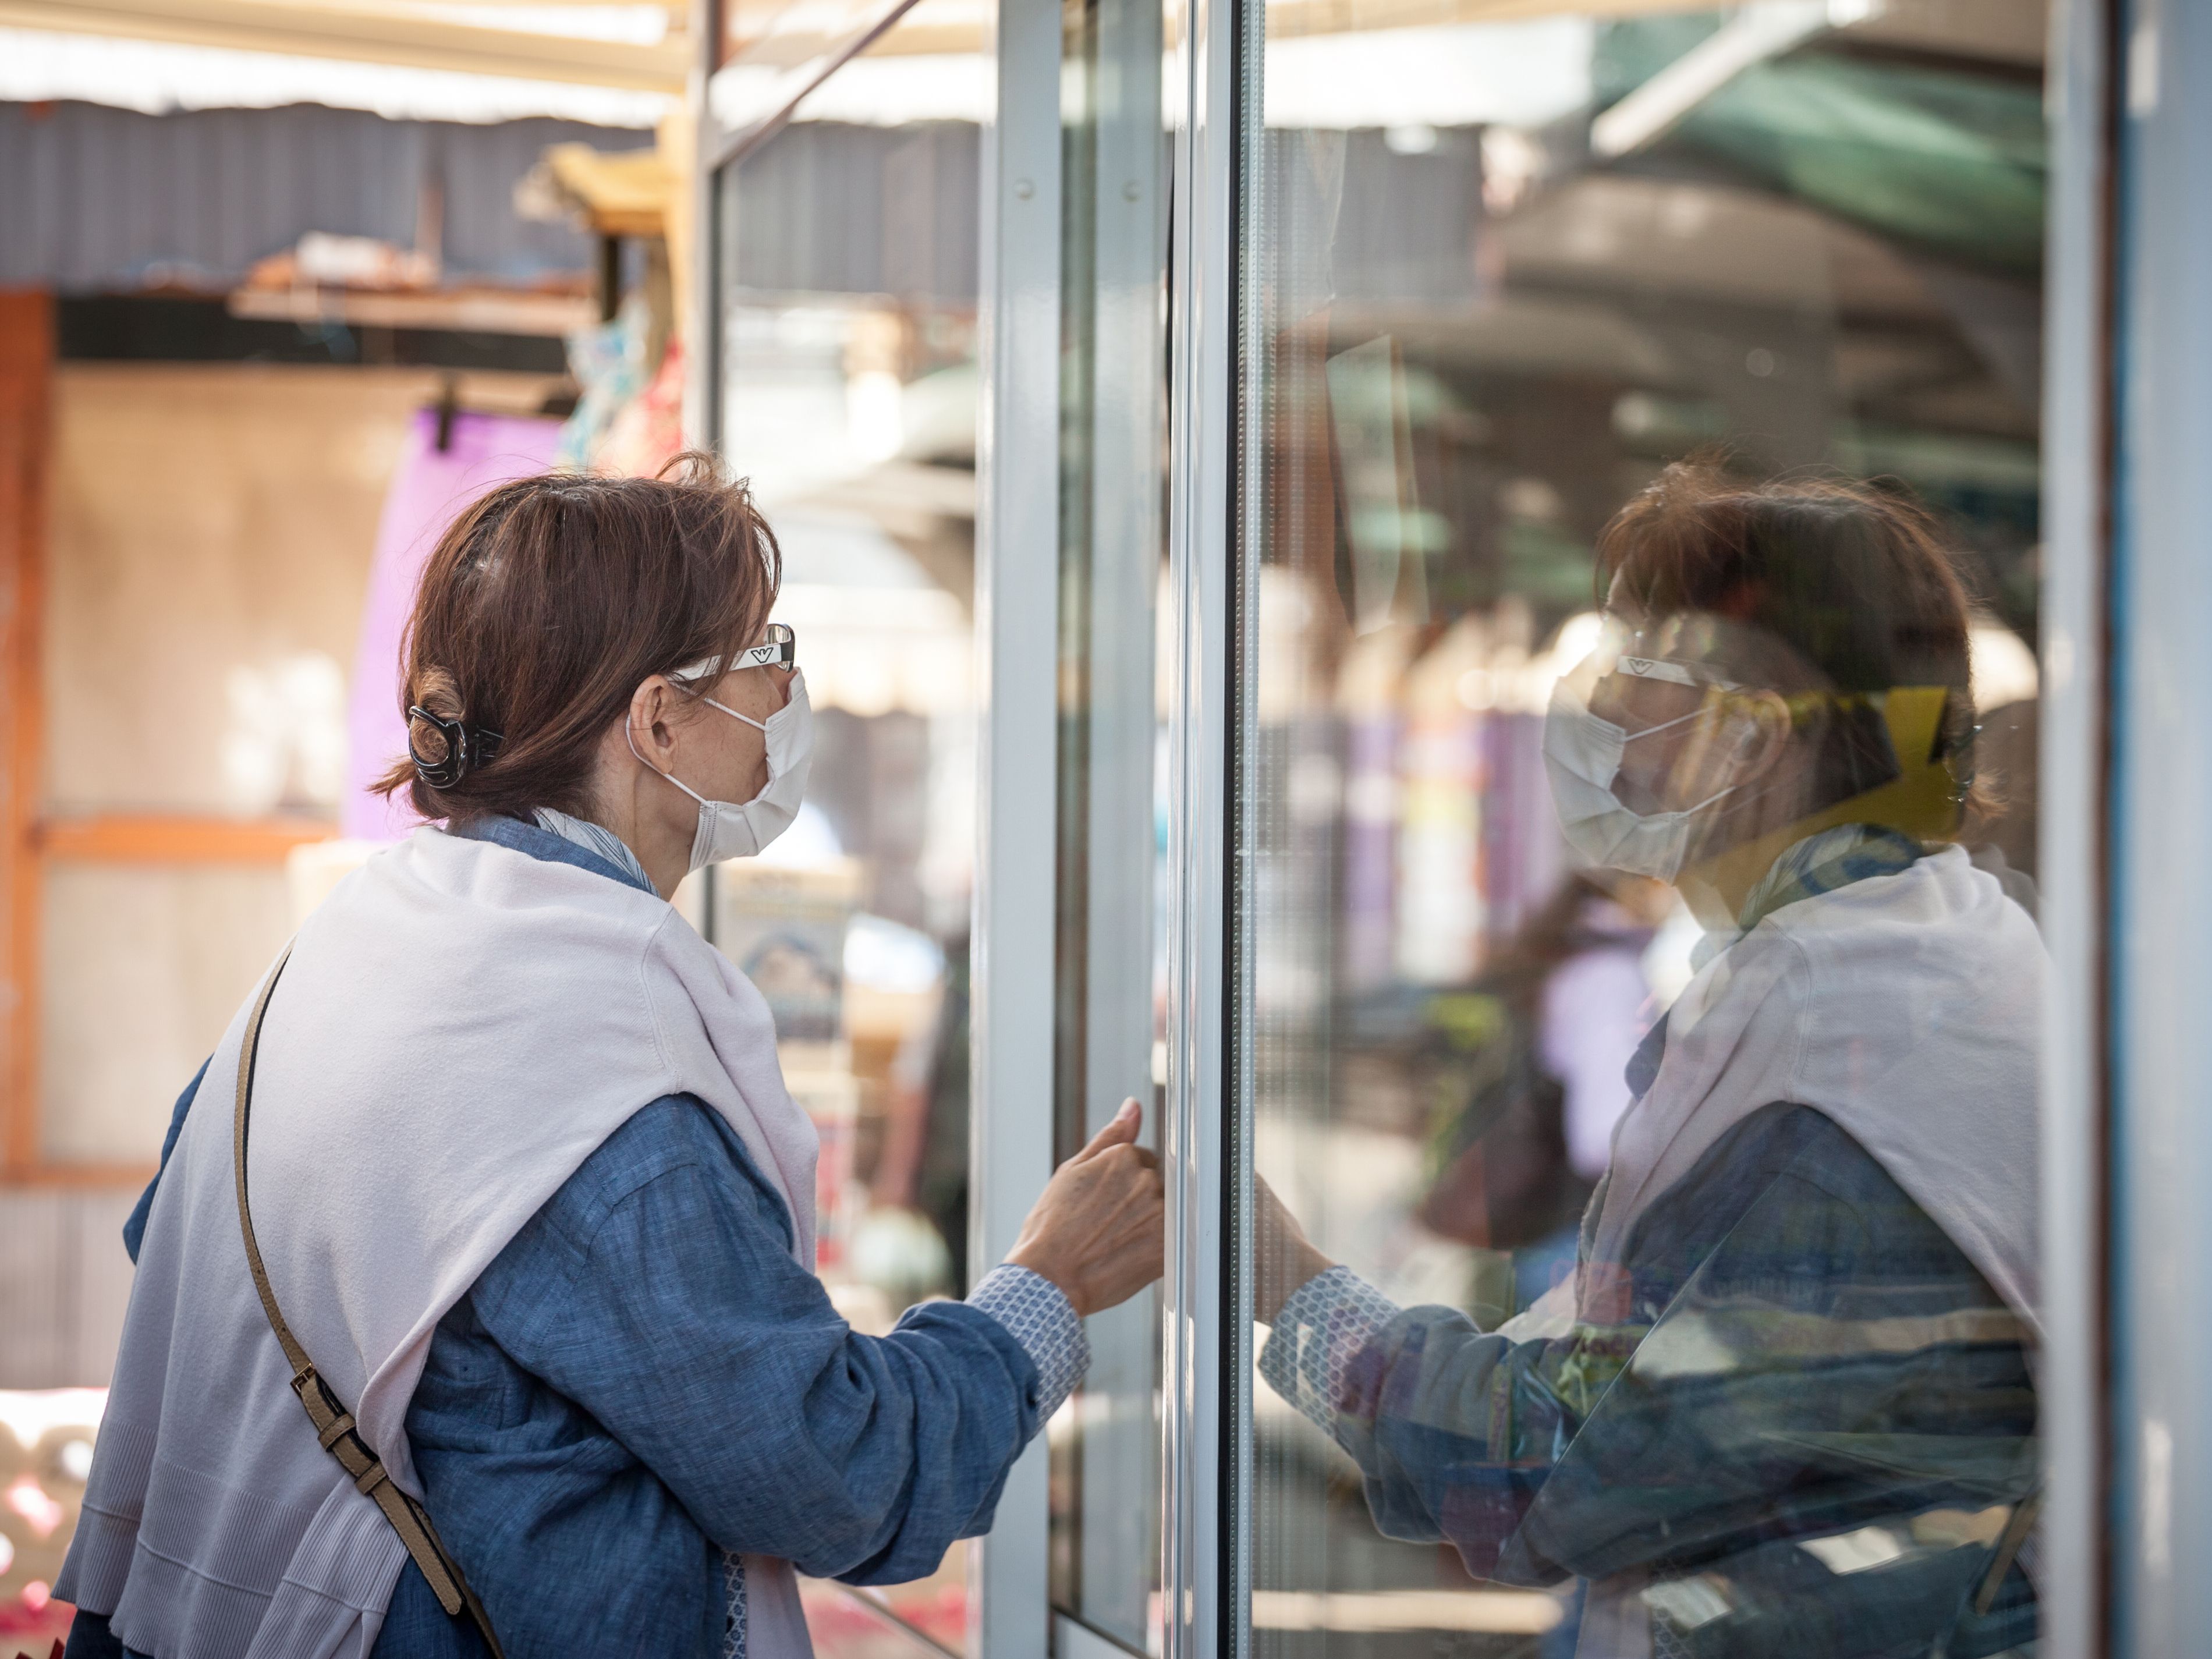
1582 753
731 830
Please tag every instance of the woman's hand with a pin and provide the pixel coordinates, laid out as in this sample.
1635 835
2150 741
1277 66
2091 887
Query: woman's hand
1100 1230
1283 1258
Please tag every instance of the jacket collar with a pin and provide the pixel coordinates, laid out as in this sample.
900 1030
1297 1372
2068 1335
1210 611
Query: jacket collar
521 837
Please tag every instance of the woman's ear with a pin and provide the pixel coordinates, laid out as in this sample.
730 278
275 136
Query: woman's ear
1764 729
650 707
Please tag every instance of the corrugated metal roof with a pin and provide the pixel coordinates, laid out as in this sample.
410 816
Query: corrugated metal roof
96 198
829 207
157 76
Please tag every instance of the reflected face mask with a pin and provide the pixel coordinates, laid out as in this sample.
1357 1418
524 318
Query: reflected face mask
739 829
1582 754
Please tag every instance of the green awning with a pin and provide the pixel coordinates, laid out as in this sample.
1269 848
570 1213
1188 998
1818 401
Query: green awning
1946 160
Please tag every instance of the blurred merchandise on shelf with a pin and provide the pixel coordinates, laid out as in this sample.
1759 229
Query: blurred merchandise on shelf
608 361
647 433
784 926
46 1437
856 998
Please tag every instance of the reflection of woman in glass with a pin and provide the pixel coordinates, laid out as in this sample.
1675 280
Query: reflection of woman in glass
1784 1405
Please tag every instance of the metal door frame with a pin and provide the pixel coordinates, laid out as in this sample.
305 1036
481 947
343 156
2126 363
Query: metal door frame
2073 812
2157 928
1206 1477
1016 648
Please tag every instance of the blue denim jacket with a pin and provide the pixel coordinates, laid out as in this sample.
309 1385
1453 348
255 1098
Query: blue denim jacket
645 1375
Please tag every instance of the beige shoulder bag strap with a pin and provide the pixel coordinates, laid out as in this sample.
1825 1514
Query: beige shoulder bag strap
334 1425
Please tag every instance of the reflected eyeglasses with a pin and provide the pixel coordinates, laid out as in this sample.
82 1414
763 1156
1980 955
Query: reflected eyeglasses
1695 675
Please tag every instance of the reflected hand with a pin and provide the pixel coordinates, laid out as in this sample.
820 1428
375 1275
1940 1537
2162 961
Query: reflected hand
1100 1230
1283 1258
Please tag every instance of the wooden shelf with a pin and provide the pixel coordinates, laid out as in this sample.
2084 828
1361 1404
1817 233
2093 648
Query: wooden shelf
473 311
159 838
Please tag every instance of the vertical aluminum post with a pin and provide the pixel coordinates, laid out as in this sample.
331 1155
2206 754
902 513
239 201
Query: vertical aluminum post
1017 634
2159 921
2072 802
700 327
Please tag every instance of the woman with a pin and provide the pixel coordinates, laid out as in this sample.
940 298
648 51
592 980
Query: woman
1785 1404
531 1194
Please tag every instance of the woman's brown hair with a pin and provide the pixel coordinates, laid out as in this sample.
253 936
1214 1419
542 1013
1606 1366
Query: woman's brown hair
545 605
1848 584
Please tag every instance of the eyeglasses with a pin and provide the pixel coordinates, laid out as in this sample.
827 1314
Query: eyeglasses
1696 675
779 650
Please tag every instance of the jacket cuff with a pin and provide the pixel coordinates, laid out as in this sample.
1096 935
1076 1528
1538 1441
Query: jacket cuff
1036 1315
1320 1330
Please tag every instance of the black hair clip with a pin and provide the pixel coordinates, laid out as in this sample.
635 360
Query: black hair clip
466 748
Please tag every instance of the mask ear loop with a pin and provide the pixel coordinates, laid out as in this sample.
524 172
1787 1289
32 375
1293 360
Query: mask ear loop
1628 737
630 738
757 725
1752 734
1738 749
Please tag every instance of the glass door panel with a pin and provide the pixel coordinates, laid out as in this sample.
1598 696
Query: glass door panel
845 390
1638 732
1105 1446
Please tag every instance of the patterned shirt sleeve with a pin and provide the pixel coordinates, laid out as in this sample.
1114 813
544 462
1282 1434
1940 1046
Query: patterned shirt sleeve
1039 1316
1320 1328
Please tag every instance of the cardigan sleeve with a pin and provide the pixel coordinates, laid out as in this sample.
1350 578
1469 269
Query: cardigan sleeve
1792 1348
658 1292
134 1226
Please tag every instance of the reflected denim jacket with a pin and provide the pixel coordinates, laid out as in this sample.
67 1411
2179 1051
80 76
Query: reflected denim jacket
645 1375
1803 1432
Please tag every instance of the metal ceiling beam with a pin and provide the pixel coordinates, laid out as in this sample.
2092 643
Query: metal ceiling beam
364 34
1764 30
